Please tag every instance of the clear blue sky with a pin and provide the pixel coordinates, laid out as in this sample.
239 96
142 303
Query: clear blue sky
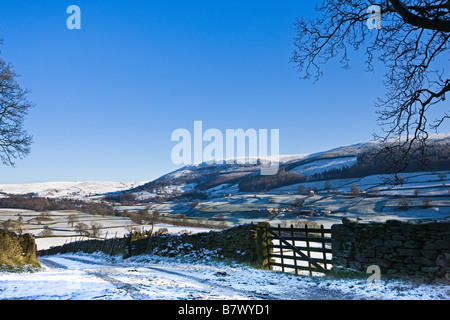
108 96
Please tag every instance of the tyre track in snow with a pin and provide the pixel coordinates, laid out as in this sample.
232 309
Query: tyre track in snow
134 289
102 274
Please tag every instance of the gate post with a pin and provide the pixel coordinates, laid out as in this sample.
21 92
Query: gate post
263 245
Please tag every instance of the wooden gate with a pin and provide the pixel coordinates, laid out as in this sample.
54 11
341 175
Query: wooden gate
299 249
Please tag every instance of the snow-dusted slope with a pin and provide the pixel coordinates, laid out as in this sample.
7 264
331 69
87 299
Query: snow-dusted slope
68 189
319 166
209 175
206 176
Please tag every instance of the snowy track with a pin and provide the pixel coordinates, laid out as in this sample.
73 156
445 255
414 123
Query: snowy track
103 274
142 283
147 277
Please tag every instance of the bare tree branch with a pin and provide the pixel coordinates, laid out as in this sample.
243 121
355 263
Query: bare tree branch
412 43
415 20
14 105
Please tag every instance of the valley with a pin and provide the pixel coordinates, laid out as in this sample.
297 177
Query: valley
203 198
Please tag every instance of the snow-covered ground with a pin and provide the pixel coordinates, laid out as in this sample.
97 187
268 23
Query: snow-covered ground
149 277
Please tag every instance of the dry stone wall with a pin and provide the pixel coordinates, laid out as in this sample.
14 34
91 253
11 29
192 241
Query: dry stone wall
418 248
244 243
17 250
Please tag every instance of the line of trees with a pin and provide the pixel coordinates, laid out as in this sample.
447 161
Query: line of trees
123 198
368 163
30 202
261 183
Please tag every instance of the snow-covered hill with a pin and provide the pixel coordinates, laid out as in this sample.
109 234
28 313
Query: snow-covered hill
68 189
211 177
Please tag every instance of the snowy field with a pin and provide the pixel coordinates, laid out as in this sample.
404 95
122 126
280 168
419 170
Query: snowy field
148 277
62 231
379 199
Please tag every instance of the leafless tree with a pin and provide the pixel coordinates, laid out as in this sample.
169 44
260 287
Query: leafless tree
413 45
14 105
354 190
327 186
404 204
442 176
82 228
72 219
426 202
47 232
96 229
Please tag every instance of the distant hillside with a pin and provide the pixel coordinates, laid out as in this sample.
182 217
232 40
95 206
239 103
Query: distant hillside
73 190
436 158
354 162
206 176
344 162
199 180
